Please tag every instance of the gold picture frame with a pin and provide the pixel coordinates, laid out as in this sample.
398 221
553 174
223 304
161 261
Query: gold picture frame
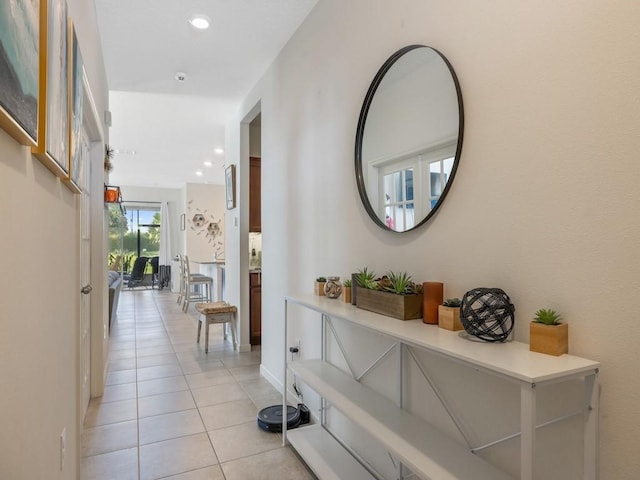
52 147
230 186
75 96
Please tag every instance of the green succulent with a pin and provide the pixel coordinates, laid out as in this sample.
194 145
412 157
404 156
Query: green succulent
346 283
452 302
547 316
366 279
321 279
399 283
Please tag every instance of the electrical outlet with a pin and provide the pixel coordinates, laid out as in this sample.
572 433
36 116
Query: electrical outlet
63 447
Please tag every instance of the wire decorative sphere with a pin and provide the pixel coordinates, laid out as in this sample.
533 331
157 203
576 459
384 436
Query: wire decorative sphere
488 314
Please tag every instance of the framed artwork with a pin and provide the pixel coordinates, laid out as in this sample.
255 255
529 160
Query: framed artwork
53 117
230 184
76 90
20 67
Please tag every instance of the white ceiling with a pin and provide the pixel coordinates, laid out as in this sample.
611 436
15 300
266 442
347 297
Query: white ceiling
163 130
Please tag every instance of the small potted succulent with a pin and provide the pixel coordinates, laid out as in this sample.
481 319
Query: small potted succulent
449 314
547 334
319 286
346 291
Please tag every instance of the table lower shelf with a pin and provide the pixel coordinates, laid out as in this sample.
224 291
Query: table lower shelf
425 450
325 456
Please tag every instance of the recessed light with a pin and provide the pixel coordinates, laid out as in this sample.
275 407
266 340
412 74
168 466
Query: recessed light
208 163
199 173
219 151
201 22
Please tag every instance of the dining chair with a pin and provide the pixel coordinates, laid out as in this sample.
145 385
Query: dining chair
197 287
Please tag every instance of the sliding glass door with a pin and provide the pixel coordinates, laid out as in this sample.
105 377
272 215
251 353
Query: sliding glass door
133 232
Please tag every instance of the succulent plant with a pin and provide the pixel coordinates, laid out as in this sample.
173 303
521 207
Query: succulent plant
321 279
547 316
346 283
366 279
452 302
399 283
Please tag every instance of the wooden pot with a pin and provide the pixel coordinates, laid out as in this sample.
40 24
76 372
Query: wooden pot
549 339
449 318
346 294
402 307
318 288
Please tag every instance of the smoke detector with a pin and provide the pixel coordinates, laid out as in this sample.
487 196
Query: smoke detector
180 76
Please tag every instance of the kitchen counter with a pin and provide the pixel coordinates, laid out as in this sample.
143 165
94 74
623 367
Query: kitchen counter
215 270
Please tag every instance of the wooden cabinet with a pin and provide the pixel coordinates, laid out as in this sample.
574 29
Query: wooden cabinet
255 307
255 224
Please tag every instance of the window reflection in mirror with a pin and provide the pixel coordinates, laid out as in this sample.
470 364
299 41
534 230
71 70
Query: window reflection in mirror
409 138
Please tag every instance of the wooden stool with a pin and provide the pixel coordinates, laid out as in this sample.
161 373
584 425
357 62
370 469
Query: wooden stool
216 312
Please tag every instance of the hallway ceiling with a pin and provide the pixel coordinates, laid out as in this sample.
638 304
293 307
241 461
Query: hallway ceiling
163 130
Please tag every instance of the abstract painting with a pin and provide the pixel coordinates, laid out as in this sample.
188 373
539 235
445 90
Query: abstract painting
19 68
57 122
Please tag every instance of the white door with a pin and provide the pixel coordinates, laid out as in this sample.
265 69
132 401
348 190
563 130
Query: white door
85 277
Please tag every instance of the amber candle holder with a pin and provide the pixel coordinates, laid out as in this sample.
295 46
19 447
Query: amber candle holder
432 298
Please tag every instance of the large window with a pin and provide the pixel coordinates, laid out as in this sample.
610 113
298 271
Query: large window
133 233
410 186
439 171
399 206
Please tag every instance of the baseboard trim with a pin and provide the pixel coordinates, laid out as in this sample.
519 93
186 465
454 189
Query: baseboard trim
269 377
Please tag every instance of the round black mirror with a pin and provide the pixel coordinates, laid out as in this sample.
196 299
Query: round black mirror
409 138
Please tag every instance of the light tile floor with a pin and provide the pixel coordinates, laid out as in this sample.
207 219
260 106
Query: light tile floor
171 411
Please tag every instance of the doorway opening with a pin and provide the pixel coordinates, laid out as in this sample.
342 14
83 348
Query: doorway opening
255 230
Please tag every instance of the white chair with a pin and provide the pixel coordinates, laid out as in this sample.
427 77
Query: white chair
197 287
216 312
181 292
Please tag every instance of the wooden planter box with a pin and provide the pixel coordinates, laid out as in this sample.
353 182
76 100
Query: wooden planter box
449 318
549 339
346 294
403 307
318 288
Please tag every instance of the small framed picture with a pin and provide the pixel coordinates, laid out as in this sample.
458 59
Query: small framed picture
230 184
183 222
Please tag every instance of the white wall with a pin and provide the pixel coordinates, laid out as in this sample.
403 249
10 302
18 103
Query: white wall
545 201
209 201
39 292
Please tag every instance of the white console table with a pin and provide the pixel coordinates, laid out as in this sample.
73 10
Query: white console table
413 441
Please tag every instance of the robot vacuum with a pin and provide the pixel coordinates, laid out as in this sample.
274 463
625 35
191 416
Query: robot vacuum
270 418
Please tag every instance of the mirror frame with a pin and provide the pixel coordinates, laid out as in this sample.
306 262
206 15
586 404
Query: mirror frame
360 135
